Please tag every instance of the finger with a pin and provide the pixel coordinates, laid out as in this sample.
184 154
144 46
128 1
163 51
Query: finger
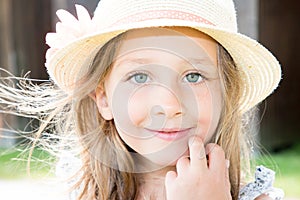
227 179
197 153
182 165
227 163
216 158
170 178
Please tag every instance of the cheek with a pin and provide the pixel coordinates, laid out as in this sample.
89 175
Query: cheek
209 110
138 108
127 104
205 109
140 104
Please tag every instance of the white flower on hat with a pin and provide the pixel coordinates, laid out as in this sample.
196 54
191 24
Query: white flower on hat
69 29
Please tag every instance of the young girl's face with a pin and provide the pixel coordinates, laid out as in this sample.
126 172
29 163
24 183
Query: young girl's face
163 88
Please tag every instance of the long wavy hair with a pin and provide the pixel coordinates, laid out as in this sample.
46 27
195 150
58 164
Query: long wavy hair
106 169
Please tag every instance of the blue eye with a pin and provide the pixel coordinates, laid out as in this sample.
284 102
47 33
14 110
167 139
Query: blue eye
140 78
193 78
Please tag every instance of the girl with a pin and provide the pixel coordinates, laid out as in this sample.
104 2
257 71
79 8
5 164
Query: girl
156 96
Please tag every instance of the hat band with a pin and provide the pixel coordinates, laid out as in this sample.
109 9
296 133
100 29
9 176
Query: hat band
163 14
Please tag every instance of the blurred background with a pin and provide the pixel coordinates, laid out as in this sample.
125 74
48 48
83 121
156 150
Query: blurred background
274 23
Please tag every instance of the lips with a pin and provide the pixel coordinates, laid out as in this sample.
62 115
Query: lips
170 134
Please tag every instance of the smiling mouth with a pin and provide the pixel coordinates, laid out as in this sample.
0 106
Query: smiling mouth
170 134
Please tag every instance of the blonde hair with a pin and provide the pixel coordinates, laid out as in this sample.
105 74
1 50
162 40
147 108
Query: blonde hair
232 126
107 167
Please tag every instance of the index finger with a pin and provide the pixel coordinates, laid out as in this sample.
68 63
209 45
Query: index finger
197 153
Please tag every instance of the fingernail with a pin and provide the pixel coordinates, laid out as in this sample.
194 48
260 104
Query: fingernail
227 163
202 154
194 140
191 140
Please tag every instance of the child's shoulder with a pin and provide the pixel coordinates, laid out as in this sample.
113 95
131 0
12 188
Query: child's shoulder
262 187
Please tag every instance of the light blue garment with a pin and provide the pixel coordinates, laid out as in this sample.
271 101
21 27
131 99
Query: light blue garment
263 184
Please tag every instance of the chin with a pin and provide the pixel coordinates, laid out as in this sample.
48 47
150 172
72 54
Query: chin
164 159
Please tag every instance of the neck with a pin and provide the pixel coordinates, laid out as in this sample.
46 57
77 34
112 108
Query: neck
153 184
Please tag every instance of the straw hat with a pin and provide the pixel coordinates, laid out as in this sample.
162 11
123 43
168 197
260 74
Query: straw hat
77 40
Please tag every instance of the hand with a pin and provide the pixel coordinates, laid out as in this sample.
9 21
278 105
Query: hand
200 176
263 197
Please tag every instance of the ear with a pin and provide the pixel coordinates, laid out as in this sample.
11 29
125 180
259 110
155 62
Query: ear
100 99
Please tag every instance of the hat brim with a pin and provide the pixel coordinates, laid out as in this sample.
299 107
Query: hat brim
261 71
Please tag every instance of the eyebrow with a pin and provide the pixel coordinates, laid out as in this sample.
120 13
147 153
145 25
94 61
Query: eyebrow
205 65
193 61
199 61
133 60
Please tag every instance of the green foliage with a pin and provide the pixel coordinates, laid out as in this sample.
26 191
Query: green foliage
14 164
287 167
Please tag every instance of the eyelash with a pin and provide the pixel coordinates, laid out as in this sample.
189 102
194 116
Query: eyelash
134 73
131 75
203 78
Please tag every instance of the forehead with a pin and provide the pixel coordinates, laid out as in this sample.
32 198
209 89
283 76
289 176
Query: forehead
185 43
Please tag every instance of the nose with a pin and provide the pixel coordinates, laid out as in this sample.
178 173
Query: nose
167 103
